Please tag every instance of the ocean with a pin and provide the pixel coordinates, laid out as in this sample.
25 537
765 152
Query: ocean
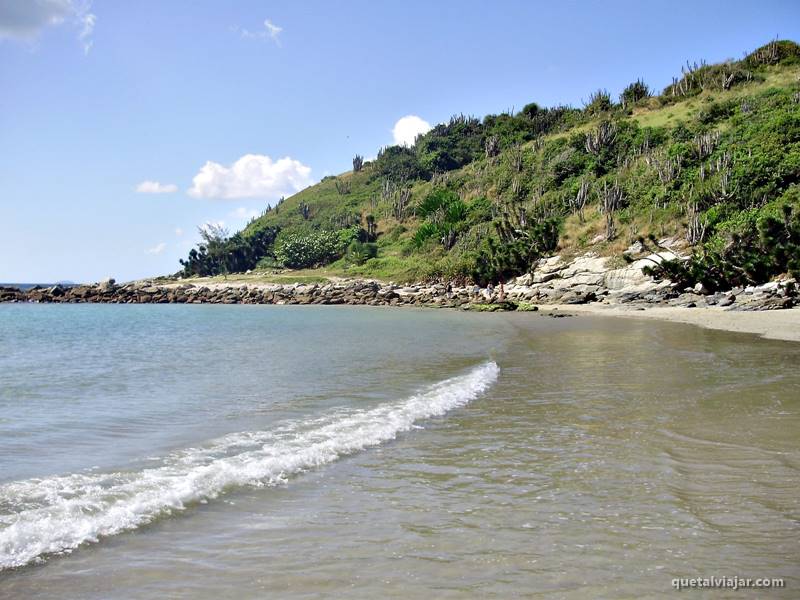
173 451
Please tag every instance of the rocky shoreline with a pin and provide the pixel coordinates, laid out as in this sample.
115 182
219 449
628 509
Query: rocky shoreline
583 280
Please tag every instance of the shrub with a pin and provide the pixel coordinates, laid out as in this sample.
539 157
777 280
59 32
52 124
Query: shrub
398 163
633 93
599 102
359 252
304 250
445 218
451 145
220 254
751 256
716 112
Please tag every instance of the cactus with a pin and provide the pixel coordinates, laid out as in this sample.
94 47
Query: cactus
491 146
603 136
343 187
578 203
696 230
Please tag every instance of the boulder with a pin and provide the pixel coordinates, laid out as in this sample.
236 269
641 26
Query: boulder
107 285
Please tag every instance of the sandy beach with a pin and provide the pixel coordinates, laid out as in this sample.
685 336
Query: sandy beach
772 324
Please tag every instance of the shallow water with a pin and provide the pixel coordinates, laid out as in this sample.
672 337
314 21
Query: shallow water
259 451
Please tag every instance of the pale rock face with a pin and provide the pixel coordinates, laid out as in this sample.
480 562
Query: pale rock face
544 277
524 279
634 248
587 263
618 279
550 265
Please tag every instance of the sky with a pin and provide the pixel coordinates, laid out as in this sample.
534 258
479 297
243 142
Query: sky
125 126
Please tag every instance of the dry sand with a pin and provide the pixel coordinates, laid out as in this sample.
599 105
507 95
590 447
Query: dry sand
773 324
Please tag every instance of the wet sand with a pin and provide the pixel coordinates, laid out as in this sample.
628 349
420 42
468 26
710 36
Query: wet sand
771 324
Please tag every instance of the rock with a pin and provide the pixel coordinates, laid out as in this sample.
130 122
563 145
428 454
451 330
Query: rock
588 263
699 288
524 279
107 285
549 265
544 277
572 297
727 300
670 242
635 248
618 279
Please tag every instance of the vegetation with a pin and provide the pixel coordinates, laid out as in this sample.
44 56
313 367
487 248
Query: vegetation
768 247
220 253
714 159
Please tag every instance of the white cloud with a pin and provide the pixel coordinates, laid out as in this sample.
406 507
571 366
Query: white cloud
178 231
88 21
407 129
270 31
154 187
157 249
25 19
273 30
252 176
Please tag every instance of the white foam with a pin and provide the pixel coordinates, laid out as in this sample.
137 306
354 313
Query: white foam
57 514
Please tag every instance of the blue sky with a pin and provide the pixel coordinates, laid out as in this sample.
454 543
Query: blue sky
221 107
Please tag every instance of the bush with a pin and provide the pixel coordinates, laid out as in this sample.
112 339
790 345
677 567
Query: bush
451 145
220 254
633 93
398 163
305 250
716 112
599 102
749 257
445 218
360 252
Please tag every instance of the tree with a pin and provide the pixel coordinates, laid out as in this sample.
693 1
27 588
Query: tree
220 253
633 93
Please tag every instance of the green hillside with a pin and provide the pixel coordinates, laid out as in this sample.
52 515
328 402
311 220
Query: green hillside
714 159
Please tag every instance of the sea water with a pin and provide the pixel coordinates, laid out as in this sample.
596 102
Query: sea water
266 451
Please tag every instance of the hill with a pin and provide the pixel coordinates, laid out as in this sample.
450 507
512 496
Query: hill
713 159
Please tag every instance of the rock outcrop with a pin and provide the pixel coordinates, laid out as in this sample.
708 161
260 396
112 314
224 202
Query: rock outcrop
587 278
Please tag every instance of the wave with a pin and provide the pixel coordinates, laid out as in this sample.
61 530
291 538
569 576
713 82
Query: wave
57 514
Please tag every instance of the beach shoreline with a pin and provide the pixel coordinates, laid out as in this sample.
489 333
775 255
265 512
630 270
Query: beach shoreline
777 323
782 324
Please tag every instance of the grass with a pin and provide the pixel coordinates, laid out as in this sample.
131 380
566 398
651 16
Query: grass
329 209
671 114
255 277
